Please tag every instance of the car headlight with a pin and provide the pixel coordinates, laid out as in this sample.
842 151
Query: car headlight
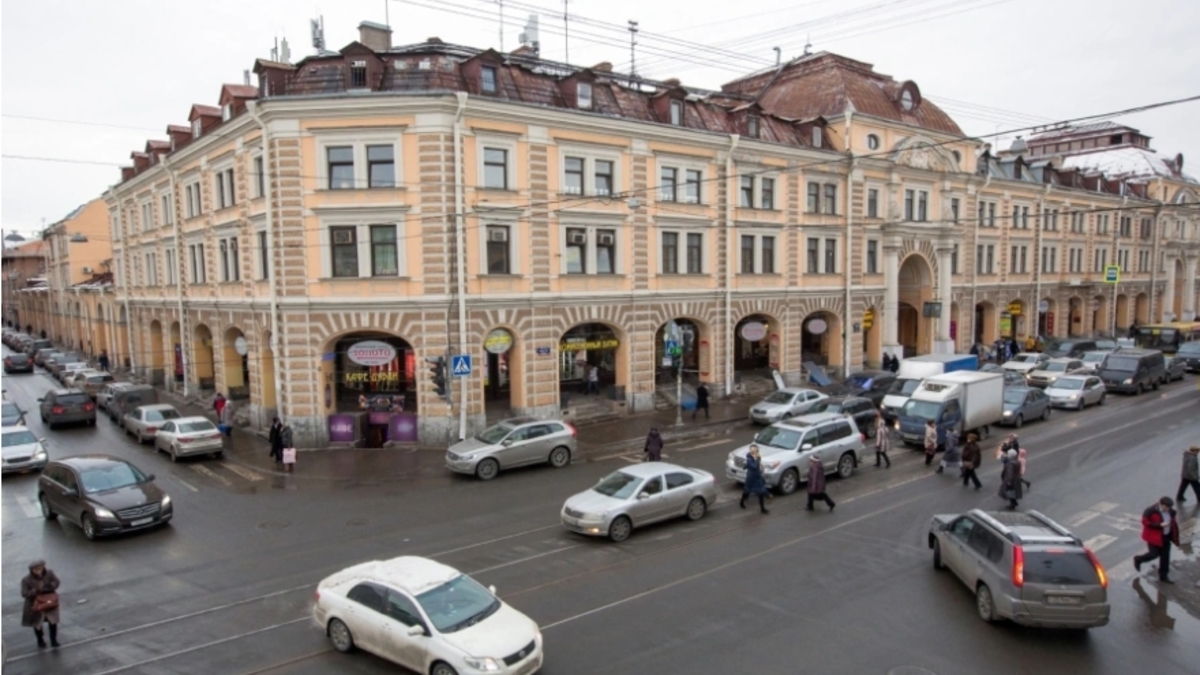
486 664
102 512
1129 381
772 465
1074 396
1008 413
467 457
896 426
166 501
40 454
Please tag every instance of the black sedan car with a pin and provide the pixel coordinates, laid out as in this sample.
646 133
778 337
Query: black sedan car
869 384
861 409
18 363
1189 355
102 495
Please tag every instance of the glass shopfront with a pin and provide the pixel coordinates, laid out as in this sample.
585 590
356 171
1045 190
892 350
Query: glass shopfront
374 390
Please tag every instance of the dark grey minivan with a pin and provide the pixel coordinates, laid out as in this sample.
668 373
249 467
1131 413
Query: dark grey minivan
1133 371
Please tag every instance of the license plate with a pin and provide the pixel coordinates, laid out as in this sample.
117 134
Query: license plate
141 521
529 667
1062 600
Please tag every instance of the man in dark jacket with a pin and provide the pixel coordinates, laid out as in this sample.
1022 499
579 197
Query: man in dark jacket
275 438
701 401
816 482
971 456
654 446
1160 528
1190 474
1010 480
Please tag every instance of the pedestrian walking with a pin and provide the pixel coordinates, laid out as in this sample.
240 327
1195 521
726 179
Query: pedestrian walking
701 401
275 438
1022 459
755 483
219 404
1160 529
103 360
931 441
1190 474
816 482
1011 442
288 453
593 380
1010 480
886 363
972 455
883 440
952 457
225 416
40 590
654 446
895 363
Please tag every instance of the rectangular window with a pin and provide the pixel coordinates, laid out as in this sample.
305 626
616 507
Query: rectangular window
192 193
577 241
872 257
573 175
344 251
151 270
872 203
1101 260
230 268
583 95
225 192
1126 226
604 178
831 256
358 74
814 256
677 113
922 206
670 253
954 204
991 210
814 197
495 168
1102 224
172 267
385 255
199 273
341 167
1147 228
1123 259
910 204
695 253
487 79
1054 220
264 260
381 166
954 260
747 254
693 179
767 250
985 259
168 213
752 126
1049 259
606 251
831 199
235 259
260 188
147 216
498 251
746 192
667 183
766 191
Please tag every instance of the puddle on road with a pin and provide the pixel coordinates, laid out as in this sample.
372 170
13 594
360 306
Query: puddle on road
1174 607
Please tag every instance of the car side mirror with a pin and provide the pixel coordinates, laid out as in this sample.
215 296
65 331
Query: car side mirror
492 589
506 443
943 526
415 630
644 495
41 399
149 477
70 493
806 447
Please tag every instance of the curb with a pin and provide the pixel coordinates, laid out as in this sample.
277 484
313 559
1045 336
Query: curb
668 434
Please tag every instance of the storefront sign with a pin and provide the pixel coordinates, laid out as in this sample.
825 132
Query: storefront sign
868 319
341 428
584 344
1014 308
367 377
403 428
1005 323
753 331
498 341
1050 323
817 326
371 353
1044 306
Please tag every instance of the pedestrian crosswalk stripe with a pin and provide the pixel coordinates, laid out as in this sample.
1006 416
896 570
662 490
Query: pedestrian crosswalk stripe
248 474
1091 512
31 510
1099 541
209 473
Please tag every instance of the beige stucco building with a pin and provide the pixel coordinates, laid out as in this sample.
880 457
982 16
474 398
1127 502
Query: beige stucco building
308 244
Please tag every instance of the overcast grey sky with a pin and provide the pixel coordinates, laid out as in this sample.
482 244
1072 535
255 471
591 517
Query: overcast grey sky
139 65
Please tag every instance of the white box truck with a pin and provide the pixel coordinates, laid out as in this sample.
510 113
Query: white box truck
957 402
914 370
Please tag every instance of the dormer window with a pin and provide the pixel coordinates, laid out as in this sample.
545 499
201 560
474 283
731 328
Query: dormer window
226 112
358 74
676 113
196 128
487 79
583 95
817 136
906 99
752 126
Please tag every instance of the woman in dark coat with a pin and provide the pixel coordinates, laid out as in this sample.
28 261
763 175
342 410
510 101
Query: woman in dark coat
275 437
755 483
654 446
1010 480
39 581
816 483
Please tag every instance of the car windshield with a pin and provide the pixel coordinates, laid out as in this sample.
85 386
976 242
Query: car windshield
925 410
1014 395
1059 567
778 437
14 438
858 381
1106 344
494 434
457 604
1189 348
904 387
827 406
73 399
99 379
10 409
160 415
618 485
1121 364
1094 357
1055 367
1025 358
189 427
1068 383
779 397
18 358
111 477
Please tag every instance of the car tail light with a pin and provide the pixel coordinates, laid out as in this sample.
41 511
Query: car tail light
152 430
1018 568
574 431
182 439
57 410
1099 568
317 595
88 407
862 436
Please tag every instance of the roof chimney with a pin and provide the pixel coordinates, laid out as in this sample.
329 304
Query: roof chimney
603 67
1019 146
671 82
376 36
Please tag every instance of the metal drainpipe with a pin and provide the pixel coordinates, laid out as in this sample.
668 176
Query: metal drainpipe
272 270
729 260
1116 251
849 247
460 262
1154 296
166 162
125 283
1037 272
976 330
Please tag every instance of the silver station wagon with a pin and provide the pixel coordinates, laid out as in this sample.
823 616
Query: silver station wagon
514 442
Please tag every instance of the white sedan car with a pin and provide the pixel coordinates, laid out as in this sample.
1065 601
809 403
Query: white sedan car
1076 391
427 617
143 421
639 495
188 436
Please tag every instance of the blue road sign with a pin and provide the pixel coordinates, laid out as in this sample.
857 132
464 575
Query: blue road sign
1112 274
460 365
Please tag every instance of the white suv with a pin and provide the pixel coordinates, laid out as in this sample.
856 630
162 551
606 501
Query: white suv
786 446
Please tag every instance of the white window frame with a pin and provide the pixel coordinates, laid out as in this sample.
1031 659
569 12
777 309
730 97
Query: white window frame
511 220
756 176
675 113
358 140
497 142
171 266
166 204
758 235
920 194
682 165
151 268
147 215
583 101
230 260
589 154
592 227
193 198
258 174
681 254
197 262
362 220
982 256
223 186
197 128
262 269
868 268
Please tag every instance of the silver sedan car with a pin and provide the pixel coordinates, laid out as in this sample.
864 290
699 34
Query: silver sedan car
1076 391
513 442
188 436
785 403
639 495
143 421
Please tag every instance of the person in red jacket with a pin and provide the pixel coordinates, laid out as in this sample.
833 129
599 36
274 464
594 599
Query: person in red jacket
1160 528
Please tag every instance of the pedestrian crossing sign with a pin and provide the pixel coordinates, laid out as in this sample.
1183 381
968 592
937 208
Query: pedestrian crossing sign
1112 274
460 365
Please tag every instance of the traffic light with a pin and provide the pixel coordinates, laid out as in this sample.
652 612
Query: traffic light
437 374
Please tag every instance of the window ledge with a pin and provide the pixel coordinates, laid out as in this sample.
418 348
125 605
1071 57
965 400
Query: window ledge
599 275
490 275
759 274
366 278
496 190
380 188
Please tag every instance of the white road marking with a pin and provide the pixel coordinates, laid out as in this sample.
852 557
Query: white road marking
205 471
248 474
188 485
1099 541
1090 513
31 510
1121 571
709 444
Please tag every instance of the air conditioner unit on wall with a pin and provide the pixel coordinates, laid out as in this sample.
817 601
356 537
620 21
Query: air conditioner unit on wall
87 270
577 238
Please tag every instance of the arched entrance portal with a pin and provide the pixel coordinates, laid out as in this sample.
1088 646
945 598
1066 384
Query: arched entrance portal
681 349
872 339
177 369
236 361
1122 315
156 352
501 359
756 345
592 359
1046 319
914 329
1075 316
1142 308
821 339
1012 320
370 392
202 358
1099 312
985 323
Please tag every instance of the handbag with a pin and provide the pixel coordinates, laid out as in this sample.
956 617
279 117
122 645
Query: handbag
45 602
1010 494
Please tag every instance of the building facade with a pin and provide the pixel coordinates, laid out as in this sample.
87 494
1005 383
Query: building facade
310 245
24 266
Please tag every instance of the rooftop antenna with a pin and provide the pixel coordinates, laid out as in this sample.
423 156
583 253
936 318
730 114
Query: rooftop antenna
778 56
530 36
246 77
807 45
285 54
501 3
275 51
633 29
318 33
566 31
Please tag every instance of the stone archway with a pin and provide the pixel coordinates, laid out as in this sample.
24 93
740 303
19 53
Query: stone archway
872 332
986 330
821 339
593 358
156 356
1121 316
370 390
235 359
688 344
915 331
1141 305
202 358
1098 308
756 345
1047 323
501 360
1075 316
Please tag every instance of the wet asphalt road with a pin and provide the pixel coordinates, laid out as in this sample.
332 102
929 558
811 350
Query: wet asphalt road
227 587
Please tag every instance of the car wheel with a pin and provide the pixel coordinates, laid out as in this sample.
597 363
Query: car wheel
1156 385
1082 404
442 668
560 457
1101 401
984 604
937 555
174 454
696 508
487 469
620 529
47 512
1019 421
89 527
1138 391
788 482
1046 414
339 635
845 465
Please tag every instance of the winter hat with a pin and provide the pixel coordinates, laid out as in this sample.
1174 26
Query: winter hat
815 457
1012 454
36 564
